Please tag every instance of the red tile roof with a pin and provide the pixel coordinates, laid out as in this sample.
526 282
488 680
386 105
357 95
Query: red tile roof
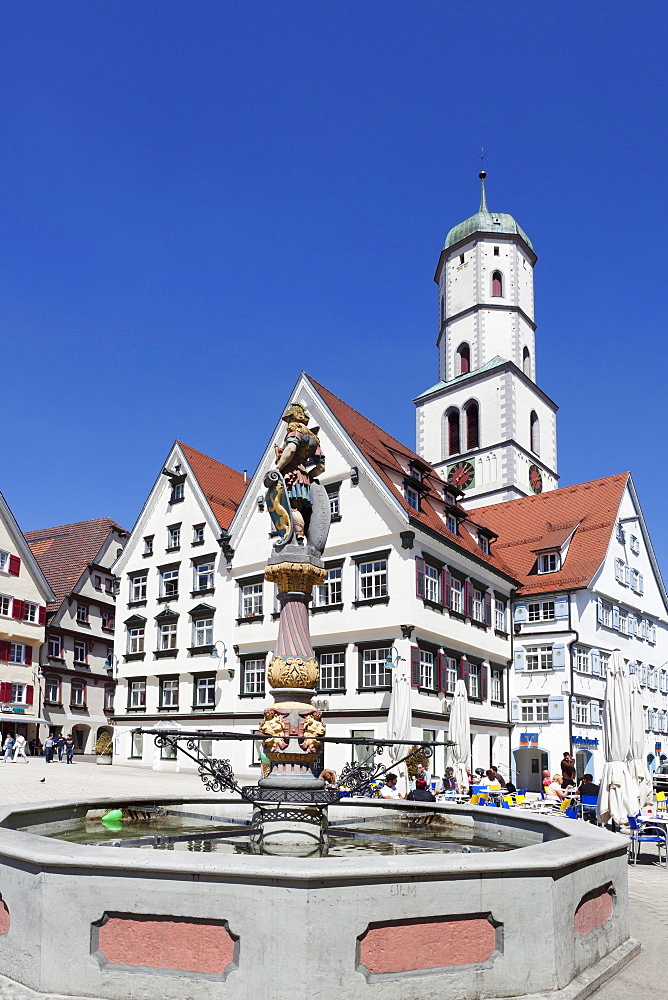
64 552
389 456
223 487
529 524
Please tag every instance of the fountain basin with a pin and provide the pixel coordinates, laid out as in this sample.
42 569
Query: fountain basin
548 915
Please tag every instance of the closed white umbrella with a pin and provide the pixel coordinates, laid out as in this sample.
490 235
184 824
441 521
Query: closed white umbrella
399 719
617 797
637 762
460 734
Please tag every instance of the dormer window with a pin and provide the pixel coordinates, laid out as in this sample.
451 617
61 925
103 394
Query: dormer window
549 562
483 543
412 497
178 493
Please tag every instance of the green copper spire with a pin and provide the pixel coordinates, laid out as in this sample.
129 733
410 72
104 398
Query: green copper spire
486 222
483 196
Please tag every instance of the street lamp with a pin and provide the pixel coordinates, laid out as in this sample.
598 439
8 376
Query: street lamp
215 655
391 661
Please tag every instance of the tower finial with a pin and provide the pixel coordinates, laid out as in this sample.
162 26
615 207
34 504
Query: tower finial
482 175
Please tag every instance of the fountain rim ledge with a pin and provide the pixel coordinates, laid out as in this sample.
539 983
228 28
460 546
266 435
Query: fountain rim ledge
558 855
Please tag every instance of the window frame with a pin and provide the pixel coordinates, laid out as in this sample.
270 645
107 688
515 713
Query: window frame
368 648
333 651
244 662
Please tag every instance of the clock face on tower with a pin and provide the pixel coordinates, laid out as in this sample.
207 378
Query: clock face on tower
535 478
462 475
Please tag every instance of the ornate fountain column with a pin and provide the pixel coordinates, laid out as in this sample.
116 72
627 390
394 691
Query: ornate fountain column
291 804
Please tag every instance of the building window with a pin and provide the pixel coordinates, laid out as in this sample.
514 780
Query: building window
109 585
203 632
605 613
107 621
478 606
5 605
456 595
463 359
52 691
535 710
496 686
623 621
169 692
178 492
450 674
169 582
55 647
453 432
198 534
496 251
330 590
549 562
251 599
451 523
205 692
138 588
332 671
526 362
605 662
374 670
168 636
581 712
174 537
500 615
109 699
137 694
252 676
497 284
97 582
334 494
475 690
204 576
635 545
17 652
137 745
80 651
541 611
427 670
539 657
371 579
82 614
148 545
582 660
136 640
472 435
412 497
4 559
483 542
78 694
534 432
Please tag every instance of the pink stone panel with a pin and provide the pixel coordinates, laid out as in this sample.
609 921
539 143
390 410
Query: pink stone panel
166 944
4 917
431 944
594 910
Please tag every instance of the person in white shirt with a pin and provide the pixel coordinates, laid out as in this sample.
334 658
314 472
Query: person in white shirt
389 789
20 748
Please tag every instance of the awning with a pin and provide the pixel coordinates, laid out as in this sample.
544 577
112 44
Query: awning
21 717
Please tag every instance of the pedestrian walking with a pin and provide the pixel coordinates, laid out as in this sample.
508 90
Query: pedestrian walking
48 749
69 748
59 745
9 748
20 748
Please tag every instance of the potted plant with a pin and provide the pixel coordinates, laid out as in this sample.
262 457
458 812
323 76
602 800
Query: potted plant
104 748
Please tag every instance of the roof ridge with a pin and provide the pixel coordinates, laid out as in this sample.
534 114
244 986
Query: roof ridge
75 524
183 444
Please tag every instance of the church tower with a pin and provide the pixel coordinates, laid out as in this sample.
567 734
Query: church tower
486 426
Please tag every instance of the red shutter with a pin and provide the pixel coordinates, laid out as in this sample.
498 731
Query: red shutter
18 609
415 667
42 615
14 565
441 677
4 651
446 588
5 692
484 673
419 577
468 599
29 694
464 672
27 656
488 608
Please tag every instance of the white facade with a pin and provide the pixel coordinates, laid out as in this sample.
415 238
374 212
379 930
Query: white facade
558 677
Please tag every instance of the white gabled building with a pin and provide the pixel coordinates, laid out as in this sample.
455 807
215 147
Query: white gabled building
589 584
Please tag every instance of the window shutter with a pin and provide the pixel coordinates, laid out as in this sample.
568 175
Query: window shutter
415 667
633 625
5 692
18 609
561 607
555 708
27 656
468 599
627 574
520 613
619 570
615 617
441 677
643 675
42 615
596 662
514 709
632 666
447 588
419 577
641 583
484 675
464 668
4 651
29 694
559 656
14 566
600 610
520 659
488 608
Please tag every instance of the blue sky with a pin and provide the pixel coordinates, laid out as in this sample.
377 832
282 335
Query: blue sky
199 199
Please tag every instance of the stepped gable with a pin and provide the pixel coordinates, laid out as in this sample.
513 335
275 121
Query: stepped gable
388 456
588 511
64 552
223 487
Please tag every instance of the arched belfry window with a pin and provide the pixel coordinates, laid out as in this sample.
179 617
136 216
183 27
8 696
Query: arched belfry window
497 284
453 432
526 362
472 426
534 432
463 359
442 309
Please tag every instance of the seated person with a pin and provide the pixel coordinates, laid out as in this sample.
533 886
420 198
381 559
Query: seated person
497 773
421 793
554 792
389 789
449 782
546 780
587 786
329 777
492 779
